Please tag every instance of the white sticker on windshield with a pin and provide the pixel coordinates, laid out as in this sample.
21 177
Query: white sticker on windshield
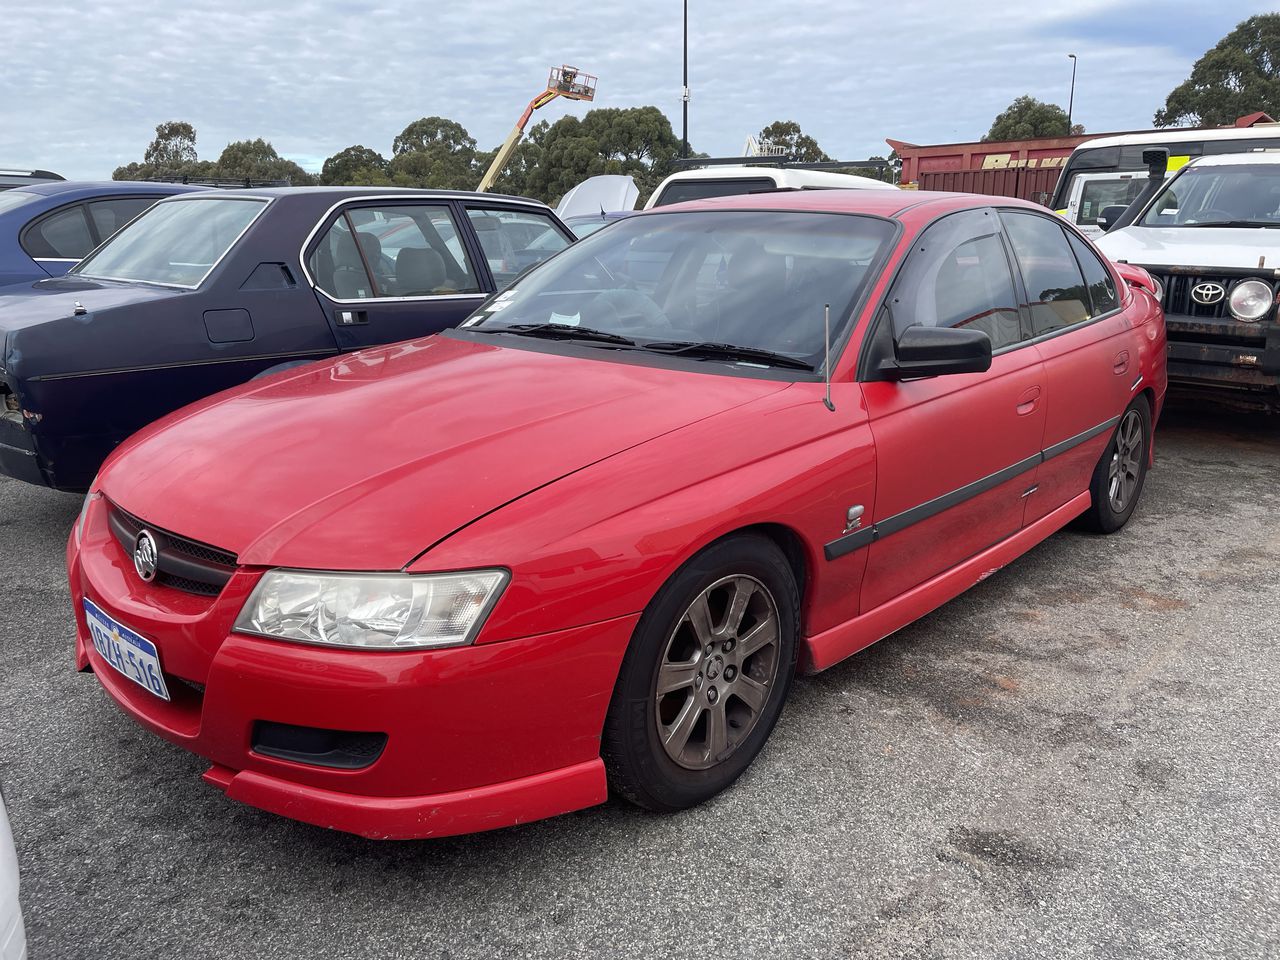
566 321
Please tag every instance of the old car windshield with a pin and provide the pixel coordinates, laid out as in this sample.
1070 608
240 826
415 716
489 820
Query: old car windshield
753 279
1237 195
177 242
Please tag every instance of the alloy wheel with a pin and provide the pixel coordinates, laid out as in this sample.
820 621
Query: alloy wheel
1126 462
717 672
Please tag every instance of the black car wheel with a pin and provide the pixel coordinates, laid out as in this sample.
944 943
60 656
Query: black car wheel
705 678
1120 474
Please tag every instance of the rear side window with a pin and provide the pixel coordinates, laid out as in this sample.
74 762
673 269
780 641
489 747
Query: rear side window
392 251
63 235
678 191
1055 287
1102 288
108 216
958 275
515 241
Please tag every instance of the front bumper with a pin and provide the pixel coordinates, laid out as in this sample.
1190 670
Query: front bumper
1224 353
478 737
17 450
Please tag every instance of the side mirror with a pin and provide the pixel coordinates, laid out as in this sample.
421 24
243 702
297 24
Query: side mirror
933 351
1109 215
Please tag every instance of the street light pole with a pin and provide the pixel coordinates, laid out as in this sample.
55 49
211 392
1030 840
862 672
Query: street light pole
1071 100
684 149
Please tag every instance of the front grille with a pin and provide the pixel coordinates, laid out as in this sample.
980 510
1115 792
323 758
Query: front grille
1177 299
183 564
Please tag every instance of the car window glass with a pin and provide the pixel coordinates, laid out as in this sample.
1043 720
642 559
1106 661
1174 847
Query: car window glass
411 251
1235 195
678 191
63 235
958 275
1102 288
515 241
110 215
1100 194
1055 288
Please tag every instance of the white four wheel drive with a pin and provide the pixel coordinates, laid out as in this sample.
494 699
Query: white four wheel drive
13 939
1211 237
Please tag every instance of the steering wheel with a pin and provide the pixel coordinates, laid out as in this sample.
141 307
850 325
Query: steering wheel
627 310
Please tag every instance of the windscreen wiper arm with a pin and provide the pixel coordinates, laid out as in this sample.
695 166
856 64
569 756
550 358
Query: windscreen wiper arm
561 331
709 350
1233 223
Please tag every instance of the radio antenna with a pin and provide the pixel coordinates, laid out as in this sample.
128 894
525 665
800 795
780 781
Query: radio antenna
826 359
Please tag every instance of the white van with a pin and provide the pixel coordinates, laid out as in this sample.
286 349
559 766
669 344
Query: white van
705 182
1093 192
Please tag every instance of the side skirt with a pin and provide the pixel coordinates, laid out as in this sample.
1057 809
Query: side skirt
830 647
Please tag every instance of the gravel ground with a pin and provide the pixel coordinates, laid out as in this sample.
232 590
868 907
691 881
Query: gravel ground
1077 758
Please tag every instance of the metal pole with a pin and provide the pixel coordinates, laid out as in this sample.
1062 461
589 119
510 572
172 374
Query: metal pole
1071 100
684 140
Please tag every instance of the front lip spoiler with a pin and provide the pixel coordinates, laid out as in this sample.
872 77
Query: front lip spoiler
488 807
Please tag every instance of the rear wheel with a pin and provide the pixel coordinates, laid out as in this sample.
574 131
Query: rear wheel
1120 474
706 675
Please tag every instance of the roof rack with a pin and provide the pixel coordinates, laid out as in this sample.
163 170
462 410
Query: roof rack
222 183
775 161
31 174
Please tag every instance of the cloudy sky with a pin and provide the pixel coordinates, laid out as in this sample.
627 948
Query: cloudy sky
85 84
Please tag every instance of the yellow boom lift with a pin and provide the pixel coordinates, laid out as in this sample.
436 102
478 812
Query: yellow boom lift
566 81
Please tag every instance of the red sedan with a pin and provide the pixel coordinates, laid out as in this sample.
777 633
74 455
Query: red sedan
588 538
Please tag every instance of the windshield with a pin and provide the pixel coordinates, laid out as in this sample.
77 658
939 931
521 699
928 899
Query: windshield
1237 195
678 191
14 198
175 242
752 279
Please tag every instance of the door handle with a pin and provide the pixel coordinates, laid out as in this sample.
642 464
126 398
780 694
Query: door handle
1027 401
350 318
1121 363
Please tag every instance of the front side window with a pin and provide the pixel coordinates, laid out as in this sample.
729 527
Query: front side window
63 235
1235 195
958 275
392 251
175 242
1055 288
702 284
515 241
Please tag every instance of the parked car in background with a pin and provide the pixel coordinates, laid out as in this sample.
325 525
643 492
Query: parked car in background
584 539
46 228
10 178
1091 193
13 938
205 291
1211 237
722 181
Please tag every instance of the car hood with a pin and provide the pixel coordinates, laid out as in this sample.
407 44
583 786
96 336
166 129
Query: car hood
1193 246
43 301
366 461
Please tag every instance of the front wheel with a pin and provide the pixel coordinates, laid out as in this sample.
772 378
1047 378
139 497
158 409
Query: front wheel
706 675
1120 474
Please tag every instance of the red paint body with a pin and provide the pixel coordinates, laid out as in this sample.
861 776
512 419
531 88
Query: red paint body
592 481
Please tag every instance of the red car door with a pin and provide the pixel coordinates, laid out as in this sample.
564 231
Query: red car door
956 453
1084 340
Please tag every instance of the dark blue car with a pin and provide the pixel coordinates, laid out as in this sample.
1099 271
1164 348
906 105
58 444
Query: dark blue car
208 290
46 228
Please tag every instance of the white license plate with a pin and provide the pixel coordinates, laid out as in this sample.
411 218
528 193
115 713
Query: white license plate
132 655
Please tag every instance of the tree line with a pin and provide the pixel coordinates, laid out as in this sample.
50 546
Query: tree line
1239 75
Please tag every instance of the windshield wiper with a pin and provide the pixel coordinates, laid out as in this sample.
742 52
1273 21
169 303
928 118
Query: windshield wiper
1233 223
560 331
709 350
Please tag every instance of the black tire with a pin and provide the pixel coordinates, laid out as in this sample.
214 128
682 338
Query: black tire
1105 515
640 767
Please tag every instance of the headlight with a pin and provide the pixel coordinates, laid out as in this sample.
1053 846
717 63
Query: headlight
1159 289
1250 300
89 497
373 611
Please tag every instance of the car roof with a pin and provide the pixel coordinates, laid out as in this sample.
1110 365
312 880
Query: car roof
54 188
1236 159
880 203
333 195
782 176
1210 134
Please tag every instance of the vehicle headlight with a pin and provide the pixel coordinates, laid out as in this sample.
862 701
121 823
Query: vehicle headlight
372 611
89 497
1159 289
1250 300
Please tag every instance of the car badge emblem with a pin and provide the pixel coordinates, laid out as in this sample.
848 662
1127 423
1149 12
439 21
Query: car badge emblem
146 556
1208 292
